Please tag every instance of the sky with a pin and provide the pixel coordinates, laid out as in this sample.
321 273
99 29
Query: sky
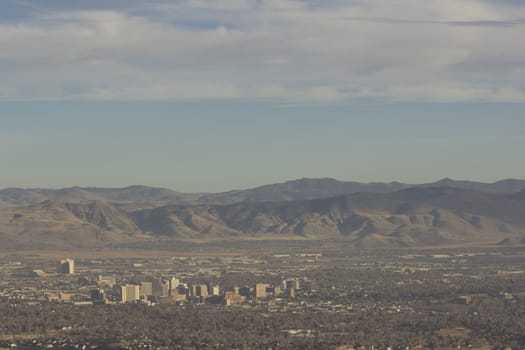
201 95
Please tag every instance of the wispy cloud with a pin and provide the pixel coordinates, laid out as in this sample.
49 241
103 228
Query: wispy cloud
472 23
283 50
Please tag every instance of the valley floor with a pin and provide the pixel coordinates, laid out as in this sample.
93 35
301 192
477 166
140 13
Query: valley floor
343 298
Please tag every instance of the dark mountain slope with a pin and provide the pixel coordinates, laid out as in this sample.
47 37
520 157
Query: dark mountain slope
412 217
143 197
407 218
53 224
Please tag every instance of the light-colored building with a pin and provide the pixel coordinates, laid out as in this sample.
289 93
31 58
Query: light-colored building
215 290
109 281
199 290
146 289
130 293
65 296
40 273
260 290
232 298
195 290
180 293
161 288
203 289
66 266
291 283
174 283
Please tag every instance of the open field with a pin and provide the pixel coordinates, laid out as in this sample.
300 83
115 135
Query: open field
259 245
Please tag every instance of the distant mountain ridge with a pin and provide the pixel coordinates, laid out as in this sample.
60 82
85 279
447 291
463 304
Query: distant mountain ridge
412 217
144 197
132 197
506 186
54 224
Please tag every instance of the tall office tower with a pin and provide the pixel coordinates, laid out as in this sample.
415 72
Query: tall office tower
180 293
261 290
146 289
130 293
161 288
203 290
66 266
199 290
174 284
97 296
292 283
245 291
214 290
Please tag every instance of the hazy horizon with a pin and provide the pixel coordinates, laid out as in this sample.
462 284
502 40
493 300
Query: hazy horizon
225 146
260 185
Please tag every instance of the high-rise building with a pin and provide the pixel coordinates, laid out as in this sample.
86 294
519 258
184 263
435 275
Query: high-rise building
130 293
161 288
66 266
146 289
260 290
214 290
199 290
291 283
274 291
179 293
245 291
203 290
174 282
97 296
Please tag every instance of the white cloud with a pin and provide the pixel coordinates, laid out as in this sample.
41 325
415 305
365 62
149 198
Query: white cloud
287 50
448 93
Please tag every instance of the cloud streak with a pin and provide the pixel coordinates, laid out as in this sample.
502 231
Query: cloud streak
480 23
287 50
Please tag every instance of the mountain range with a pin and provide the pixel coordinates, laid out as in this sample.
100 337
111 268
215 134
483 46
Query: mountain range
143 197
364 215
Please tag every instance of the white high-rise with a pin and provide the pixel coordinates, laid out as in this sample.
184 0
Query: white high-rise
66 266
130 293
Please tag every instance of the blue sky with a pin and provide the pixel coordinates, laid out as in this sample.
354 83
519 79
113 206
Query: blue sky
213 95
220 145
